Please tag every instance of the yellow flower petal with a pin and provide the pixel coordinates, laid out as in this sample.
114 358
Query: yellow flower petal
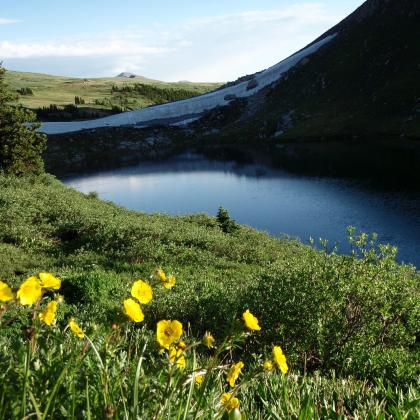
30 291
6 293
182 345
48 281
76 329
160 274
133 310
198 379
142 292
208 339
47 316
251 321
234 373
268 365
176 356
229 402
168 332
170 282
280 359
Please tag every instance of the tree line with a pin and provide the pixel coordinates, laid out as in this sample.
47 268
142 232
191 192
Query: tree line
158 95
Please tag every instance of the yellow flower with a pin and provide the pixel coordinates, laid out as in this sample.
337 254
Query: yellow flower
208 339
76 329
160 274
251 321
48 281
133 310
229 402
6 293
198 379
268 365
142 292
30 291
168 332
47 316
280 359
234 372
170 282
59 298
176 355
182 345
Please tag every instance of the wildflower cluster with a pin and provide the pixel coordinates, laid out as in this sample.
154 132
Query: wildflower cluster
31 292
169 335
142 293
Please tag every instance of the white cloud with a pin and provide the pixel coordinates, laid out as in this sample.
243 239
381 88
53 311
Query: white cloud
4 21
116 48
213 49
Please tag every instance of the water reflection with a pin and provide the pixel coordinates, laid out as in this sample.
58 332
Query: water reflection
267 199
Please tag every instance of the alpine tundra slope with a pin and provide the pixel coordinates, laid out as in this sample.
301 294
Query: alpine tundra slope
188 110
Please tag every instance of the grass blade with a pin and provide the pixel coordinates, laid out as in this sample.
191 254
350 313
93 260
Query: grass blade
136 382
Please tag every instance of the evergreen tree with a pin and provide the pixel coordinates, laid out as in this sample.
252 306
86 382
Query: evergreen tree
21 146
224 221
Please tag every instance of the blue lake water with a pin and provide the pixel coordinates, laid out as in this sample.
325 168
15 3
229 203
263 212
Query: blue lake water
271 200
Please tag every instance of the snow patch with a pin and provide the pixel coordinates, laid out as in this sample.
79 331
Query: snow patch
182 110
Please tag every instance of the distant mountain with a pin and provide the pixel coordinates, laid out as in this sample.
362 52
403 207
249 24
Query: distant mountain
127 75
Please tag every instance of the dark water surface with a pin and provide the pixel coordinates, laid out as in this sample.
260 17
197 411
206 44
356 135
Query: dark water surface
271 200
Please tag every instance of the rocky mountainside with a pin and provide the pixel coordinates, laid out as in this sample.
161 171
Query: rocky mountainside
353 105
127 75
366 82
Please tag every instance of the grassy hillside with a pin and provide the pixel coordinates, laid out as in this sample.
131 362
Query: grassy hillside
348 326
96 92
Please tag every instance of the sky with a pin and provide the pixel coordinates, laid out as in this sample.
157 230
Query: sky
171 40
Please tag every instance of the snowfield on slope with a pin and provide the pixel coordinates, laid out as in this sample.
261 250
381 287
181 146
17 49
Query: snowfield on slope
187 110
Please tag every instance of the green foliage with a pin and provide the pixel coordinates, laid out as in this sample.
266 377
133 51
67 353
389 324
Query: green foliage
69 112
21 146
25 91
358 316
118 373
155 94
354 315
79 100
227 224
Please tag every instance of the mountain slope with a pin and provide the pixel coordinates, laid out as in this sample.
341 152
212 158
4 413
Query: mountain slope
366 82
352 108
99 93
185 111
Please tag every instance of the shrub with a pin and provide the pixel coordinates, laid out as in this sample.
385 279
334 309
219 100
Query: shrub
25 91
356 316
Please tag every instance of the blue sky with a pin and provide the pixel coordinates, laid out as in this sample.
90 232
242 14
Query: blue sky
168 40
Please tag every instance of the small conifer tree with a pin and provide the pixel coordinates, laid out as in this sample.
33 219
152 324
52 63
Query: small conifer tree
224 221
21 146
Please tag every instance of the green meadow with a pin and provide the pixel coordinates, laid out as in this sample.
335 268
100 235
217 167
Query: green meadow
347 324
96 92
